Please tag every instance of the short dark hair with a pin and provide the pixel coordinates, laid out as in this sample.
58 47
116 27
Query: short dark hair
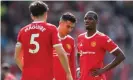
38 8
68 17
95 15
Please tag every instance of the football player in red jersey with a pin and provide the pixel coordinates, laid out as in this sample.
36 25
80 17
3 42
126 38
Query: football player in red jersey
92 46
36 40
66 25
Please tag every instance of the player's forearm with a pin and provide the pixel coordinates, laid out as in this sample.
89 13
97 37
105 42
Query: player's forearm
18 62
114 63
16 56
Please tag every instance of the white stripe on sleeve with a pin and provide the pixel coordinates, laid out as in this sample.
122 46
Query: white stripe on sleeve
114 49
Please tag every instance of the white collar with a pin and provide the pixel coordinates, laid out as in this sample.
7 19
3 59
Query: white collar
92 35
61 37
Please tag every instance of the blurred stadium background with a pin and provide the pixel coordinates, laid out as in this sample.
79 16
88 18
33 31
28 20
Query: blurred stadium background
115 20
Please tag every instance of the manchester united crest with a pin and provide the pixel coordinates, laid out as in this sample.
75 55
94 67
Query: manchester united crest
93 43
68 46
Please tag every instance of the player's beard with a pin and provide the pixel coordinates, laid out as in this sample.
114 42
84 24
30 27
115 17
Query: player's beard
89 28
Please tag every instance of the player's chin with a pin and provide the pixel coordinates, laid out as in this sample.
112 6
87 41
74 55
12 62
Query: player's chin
67 33
88 28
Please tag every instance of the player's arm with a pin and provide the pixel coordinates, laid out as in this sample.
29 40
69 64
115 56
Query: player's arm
17 54
73 62
119 57
62 55
116 51
63 58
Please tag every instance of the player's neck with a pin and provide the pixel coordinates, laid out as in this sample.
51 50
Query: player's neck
40 19
91 32
61 35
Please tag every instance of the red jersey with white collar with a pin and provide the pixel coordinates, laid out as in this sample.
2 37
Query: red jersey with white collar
38 40
68 45
92 51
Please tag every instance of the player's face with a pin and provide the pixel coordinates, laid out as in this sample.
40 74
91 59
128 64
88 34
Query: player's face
90 22
67 27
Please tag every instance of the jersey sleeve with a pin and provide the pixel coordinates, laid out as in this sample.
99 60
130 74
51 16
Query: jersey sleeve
110 45
55 39
19 36
72 61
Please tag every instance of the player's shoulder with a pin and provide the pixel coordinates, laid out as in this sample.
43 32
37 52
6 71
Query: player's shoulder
102 36
81 35
70 37
51 25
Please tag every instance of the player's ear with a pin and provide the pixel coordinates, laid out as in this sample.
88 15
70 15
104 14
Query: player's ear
45 15
32 17
60 22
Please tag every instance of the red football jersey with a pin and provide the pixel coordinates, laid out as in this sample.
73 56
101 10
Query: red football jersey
68 45
92 51
38 40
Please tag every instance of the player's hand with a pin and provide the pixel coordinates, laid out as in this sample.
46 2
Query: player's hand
97 72
69 77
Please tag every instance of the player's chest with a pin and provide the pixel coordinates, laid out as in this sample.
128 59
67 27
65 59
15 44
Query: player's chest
67 45
89 44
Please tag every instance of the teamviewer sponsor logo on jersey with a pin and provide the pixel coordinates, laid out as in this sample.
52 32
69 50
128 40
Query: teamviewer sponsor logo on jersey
87 52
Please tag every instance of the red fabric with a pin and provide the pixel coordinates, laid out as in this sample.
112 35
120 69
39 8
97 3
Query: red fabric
59 72
92 51
37 41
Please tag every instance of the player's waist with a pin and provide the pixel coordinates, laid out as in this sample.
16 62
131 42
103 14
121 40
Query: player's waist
89 68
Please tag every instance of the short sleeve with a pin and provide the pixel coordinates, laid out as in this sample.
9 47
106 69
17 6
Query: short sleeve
110 45
19 36
55 39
